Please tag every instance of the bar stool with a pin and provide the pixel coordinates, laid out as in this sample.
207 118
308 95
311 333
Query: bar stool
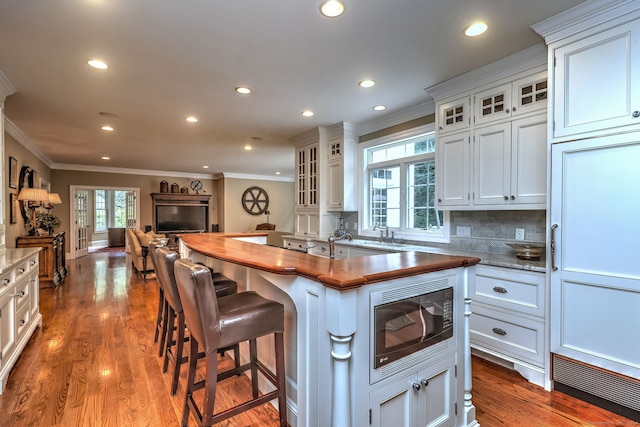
217 323
165 259
161 317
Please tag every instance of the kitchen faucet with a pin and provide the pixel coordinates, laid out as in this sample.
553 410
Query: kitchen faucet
332 243
384 233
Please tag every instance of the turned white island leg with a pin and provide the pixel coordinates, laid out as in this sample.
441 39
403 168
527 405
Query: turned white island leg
341 353
469 408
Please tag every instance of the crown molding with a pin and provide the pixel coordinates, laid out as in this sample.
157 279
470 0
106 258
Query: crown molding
22 139
258 177
524 60
420 110
6 88
147 172
585 15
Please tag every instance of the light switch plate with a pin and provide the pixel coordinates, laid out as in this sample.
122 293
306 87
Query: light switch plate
519 233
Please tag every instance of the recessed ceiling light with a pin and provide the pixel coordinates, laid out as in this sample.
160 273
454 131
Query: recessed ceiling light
367 83
192 119
380 107
105 158
243 90
476 29
277 173
248 147
205 167
307 113
107 128
331 8
96 63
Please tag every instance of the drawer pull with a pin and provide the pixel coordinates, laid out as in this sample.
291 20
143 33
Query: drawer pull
499 331
33 262
5 282
19 294
21 270
22 322
499 289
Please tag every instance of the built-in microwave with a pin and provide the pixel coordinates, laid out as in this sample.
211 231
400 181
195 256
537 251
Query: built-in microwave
407 325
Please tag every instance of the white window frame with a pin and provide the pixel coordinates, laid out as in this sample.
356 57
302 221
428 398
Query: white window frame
365 227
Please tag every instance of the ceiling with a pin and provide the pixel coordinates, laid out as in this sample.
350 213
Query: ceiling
169 59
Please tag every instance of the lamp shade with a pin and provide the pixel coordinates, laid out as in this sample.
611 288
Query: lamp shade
54 199
34 195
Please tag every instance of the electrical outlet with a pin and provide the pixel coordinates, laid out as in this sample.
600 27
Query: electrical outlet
463 231
519 233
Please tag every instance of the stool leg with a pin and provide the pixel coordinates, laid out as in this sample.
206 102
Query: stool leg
282 380
253 354
159 315
191 378
163 337
178 355
211 382
236 355
169 342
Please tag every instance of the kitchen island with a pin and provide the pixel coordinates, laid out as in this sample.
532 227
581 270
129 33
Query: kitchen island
332 379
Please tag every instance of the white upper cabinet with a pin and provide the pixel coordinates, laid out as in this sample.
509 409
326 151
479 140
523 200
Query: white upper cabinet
453 169
340 168
597 83
454 115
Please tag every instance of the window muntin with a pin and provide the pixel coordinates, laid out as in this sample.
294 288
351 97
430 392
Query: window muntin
100 210
109 209
400 191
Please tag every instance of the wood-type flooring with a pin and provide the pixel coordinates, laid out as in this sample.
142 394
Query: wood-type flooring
94 363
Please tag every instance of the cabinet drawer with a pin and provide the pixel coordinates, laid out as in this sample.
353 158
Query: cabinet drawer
22 294
510 335
32 262
296 245
521 291
21 269
23 319
6 280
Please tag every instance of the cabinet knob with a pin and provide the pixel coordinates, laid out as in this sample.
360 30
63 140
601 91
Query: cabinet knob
424 382
506 197
22 322
499 331
635 114
439 200
5 282
513 197
506 111
21 270
19 294
513 109
416 386
33 262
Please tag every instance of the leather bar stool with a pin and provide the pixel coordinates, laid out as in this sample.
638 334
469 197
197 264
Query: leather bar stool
217 323
165 259
161 318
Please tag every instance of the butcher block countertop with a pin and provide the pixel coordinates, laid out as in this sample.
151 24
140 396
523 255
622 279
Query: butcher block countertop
341 274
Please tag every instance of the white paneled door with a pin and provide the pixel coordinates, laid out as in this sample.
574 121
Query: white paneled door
82 223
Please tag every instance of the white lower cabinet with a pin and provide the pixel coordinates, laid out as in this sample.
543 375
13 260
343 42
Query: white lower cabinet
307 222
19 306
425 398
508 319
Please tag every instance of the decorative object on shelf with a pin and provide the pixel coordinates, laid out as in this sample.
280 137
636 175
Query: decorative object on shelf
175 188
255 201
13 172
164 186
196 185
13 208
44 223
184 190
33 198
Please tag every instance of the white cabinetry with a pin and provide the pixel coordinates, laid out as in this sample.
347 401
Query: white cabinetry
341 175
19 306
508 319
423 398
497 160
596 86
310 149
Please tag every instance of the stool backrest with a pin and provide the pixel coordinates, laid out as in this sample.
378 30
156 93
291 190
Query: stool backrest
153 245
199 302
166 258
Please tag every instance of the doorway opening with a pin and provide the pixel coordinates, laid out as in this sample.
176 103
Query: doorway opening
100 214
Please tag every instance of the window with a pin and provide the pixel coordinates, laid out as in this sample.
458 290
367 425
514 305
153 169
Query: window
400 187
110 209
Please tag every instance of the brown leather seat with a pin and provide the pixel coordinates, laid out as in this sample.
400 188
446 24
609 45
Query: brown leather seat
164 259
162 303
217 323
265 226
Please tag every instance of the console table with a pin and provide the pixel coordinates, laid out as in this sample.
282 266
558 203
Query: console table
51 258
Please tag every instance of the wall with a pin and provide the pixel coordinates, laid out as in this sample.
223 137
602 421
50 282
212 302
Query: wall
62 179
25 158
236 219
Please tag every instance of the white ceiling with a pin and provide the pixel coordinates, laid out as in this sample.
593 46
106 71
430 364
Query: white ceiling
173 58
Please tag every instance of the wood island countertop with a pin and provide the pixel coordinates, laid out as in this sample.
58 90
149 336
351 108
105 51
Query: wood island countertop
341 274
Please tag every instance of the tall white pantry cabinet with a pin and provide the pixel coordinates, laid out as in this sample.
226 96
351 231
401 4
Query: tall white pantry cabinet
594 221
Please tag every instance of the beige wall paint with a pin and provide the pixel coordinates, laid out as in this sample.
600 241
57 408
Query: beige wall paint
236 219
63 179
25 158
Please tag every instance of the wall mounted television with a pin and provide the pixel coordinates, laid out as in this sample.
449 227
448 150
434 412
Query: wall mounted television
181 218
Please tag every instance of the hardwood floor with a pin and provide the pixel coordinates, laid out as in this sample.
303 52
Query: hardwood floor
94 363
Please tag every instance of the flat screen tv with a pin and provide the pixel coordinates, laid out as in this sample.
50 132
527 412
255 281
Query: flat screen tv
176 218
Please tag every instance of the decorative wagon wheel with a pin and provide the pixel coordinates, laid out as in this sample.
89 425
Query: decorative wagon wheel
255 200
